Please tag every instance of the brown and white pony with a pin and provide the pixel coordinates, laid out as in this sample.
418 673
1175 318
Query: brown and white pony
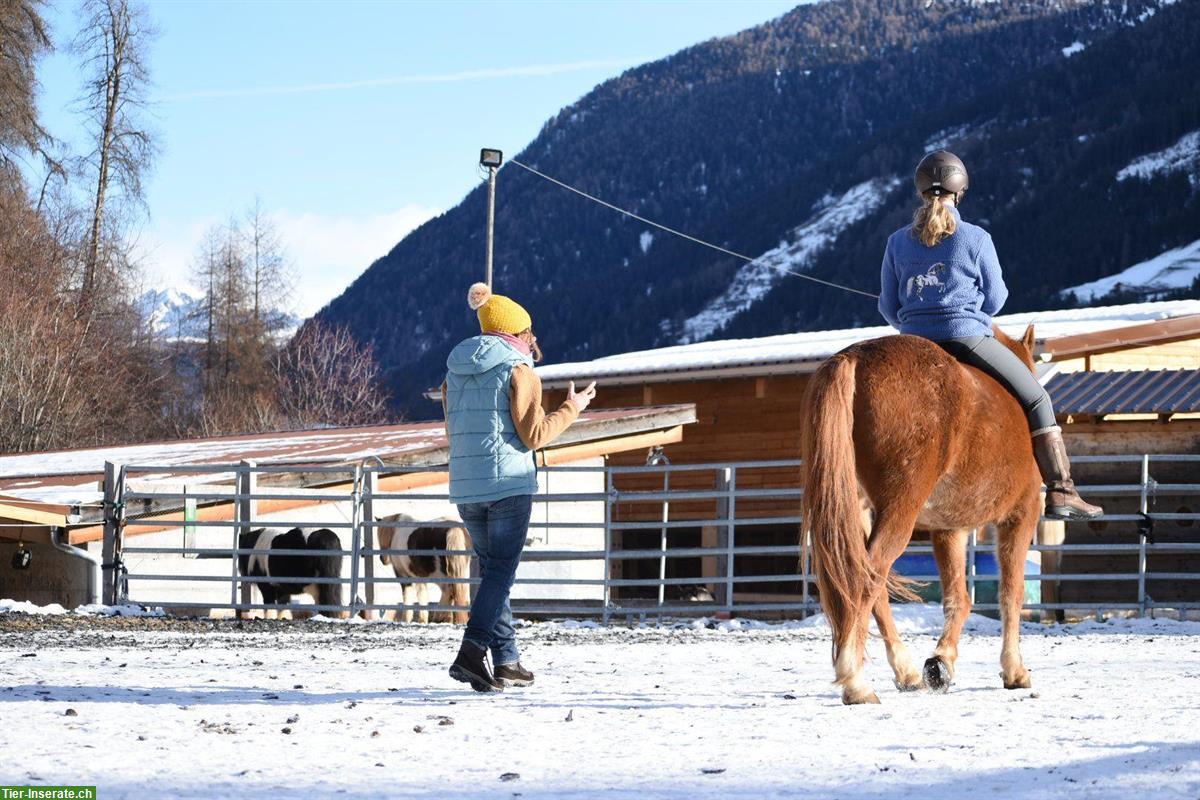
450 537
925 442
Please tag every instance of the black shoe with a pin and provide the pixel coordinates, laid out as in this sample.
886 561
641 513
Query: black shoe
514 675
471 667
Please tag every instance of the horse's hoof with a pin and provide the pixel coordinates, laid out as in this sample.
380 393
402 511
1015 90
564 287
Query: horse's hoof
1022 681
872 699
937 675
909 687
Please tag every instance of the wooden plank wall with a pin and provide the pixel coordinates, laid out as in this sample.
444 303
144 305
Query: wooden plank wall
1183 354
742 419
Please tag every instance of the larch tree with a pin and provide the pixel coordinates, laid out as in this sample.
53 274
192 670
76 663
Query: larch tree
270 278
24 38
113 44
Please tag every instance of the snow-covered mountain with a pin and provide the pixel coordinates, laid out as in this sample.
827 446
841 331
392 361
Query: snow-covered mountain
831 215
177 314
1152 279
173 313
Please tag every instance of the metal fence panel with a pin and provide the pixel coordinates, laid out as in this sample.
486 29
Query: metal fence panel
731 511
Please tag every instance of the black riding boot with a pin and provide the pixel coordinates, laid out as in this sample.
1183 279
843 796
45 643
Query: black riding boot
1062 501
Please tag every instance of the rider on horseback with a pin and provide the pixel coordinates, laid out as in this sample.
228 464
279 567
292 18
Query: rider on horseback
958 261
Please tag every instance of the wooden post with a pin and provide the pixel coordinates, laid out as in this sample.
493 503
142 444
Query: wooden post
717 536
113 476
1052 532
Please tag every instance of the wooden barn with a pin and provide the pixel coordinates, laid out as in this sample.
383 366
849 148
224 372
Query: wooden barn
1124 380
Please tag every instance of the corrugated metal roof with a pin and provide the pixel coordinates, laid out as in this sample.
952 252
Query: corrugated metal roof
1174 391
69 477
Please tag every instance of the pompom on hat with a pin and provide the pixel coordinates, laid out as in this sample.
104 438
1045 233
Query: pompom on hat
497 312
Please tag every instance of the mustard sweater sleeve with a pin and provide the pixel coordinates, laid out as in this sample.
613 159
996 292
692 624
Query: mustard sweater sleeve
535 427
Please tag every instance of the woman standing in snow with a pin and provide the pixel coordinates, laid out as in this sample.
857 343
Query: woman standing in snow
492 400
941 280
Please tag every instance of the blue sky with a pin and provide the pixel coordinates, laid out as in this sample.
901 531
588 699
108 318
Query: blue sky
356 121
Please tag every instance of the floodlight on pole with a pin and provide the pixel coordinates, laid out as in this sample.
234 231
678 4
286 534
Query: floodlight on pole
492 159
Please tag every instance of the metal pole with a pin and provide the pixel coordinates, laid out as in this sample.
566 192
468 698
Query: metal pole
608 499
662 544
110 573
119 571
370 487
1143 507
971 565
491 220
356 530
658 458
244 513
805 568
730 515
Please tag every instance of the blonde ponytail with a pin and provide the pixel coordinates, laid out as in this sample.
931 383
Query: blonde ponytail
933 221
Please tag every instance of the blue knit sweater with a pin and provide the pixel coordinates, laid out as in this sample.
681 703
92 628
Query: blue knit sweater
946 291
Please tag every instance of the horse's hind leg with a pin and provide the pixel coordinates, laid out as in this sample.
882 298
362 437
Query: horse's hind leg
950 550
1016 534
892 530
908 677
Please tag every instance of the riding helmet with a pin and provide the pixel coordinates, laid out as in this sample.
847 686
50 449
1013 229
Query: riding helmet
941 172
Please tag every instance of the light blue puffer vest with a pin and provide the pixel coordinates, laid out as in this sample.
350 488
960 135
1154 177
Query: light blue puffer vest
488 460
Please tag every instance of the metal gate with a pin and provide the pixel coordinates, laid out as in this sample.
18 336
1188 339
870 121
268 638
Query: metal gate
736 528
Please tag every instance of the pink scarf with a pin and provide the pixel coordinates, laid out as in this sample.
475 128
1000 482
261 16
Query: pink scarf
513 340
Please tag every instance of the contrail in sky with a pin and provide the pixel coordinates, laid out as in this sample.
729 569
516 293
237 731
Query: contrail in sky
401 80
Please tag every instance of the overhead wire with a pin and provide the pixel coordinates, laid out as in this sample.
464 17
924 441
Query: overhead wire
679 233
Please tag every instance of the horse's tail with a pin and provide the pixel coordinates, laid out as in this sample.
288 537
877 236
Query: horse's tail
457 594
831 507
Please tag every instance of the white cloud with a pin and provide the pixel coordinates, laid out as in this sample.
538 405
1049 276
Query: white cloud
326 251
533 70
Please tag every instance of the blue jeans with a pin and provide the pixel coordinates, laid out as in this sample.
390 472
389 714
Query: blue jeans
498 531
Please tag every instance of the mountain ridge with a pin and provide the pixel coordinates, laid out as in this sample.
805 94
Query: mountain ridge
738 139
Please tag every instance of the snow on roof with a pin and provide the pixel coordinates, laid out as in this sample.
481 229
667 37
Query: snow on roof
815 346
70 477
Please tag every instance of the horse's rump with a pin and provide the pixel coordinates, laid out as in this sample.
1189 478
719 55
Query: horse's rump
922 418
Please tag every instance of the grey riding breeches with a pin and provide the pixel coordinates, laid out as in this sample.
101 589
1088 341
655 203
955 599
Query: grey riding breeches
987 354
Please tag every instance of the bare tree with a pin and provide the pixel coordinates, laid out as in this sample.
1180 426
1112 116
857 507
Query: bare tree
242 268
269 274
206 272
24 38
45 359
234 296
327 379
113 44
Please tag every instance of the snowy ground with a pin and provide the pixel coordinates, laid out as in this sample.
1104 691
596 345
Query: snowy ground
166 708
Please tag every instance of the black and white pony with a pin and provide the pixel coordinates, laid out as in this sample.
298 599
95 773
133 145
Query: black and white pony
451 536
319 564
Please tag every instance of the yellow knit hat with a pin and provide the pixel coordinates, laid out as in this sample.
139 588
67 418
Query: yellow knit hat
497 312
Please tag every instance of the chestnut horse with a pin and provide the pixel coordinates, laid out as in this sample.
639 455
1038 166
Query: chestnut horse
898 426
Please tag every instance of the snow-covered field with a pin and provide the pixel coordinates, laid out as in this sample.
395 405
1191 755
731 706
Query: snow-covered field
165 708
